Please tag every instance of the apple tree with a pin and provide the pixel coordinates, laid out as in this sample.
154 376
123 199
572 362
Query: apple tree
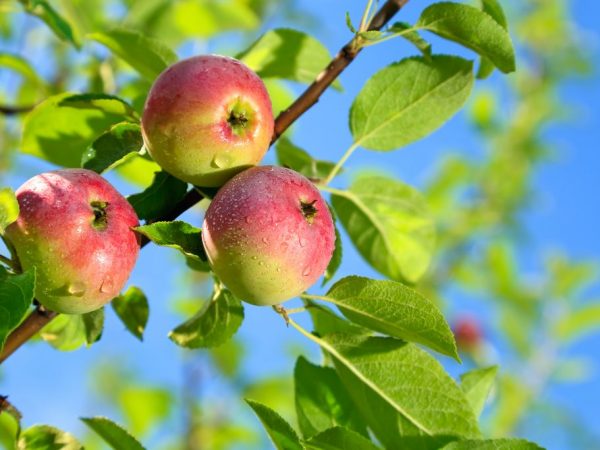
186 133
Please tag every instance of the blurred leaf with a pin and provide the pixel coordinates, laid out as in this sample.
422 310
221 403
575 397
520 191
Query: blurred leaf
146 55
288 54
113 434
228 357
112 147
276 390
178 235
133 310
477 385
322 402
281 433
293 157
93 323
493 444
215 323
138 170
567 277
391 308
43 10
44 437
9 430
336 259
574 324
63 126
9 208
404 380
471 28
413 37
145 407
66 332
280 94
513 400
20 65
158 198
339 438
16 295
408 100
390 225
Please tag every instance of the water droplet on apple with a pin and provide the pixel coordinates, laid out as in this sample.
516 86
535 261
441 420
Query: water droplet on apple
221 160
106 286
306 271
255 258
302 242
261 263
283 246
247 219
265 240
76 289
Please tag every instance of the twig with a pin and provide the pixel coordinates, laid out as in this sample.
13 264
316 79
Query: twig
40 317
345 56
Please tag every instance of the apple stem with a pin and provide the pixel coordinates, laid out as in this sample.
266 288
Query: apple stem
99 209
282 312
308 210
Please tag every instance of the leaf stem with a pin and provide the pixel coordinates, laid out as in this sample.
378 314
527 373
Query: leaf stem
340 163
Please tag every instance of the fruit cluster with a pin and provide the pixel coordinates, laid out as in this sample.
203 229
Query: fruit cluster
268 233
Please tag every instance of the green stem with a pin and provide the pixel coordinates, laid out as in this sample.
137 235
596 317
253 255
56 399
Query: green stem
366 17
340 163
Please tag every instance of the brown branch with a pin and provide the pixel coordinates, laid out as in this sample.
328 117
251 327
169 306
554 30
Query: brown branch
14 110
344 57
40 317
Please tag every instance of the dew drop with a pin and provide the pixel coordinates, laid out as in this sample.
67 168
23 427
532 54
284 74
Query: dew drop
221 160
76 289
261 263
255 258
107 285
302 242
265 240
247 219
283 246
306 271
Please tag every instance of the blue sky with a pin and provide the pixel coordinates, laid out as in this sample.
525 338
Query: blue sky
50 386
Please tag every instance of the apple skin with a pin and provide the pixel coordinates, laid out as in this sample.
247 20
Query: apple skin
259 241
207 118
75 229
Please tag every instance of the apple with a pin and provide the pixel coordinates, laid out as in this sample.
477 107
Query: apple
468 333
207 118
76 230
268 235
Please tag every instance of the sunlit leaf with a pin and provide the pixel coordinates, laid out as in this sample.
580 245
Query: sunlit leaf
281 433
44 437
114 435
16 295
112 147
339 438
214 324
133 310
158 198
477 385
493 444
390 225
472 28
408 100
9 208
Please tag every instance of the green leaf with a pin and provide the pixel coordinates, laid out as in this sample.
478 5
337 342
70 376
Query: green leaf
113 147
93 323
493 444
477 385
9 208
178 235
339 438
390 225
288 54
293 157
10 427
325 321
44 11
387 377
16 295
68 332
336 259
44 437
158 198
146 55
391 308
144 407
214 324
113 434
133 310
494 9
322 402
281 433
574 324
349 23
412 36
62 127
408 100
471 28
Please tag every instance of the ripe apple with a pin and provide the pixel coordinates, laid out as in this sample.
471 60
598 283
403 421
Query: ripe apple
75 229
468 333
207 118
268 235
